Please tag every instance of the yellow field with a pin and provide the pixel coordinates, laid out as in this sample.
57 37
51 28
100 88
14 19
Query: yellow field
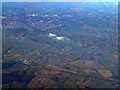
105 73
15 56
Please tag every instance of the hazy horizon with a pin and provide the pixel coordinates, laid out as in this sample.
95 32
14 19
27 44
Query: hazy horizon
60 1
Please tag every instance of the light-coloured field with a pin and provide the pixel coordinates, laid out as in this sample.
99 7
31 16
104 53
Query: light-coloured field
105 73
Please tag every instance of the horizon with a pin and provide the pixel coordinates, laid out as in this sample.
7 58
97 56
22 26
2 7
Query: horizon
60 1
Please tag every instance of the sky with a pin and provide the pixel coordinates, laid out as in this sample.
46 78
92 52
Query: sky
60 0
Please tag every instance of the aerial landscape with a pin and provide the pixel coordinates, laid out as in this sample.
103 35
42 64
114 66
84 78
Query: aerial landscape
60 45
